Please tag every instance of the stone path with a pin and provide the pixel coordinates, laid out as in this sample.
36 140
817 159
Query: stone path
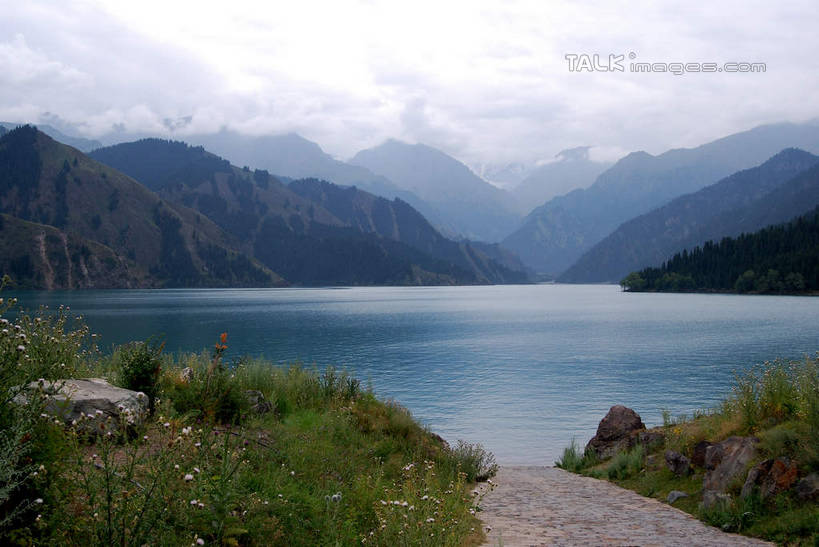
549 506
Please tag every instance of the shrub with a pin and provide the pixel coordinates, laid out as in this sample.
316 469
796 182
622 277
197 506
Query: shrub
626 464
572 460
475 461
140 365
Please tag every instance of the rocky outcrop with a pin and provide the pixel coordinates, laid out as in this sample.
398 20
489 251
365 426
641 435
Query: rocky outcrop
616 431
771 477
677 463
90 404
724 462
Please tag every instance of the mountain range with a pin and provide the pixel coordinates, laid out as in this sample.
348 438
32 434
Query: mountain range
70 222
556 234
477 209
743 202
571 170
303 230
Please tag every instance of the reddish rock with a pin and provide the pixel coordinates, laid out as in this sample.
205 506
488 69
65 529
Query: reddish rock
615 431
771 477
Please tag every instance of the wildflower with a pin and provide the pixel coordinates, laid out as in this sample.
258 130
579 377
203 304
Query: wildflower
188 477
430 519
292 473
425 498
21 348
38 500
176 466
200 541
186 430
404 504
194 502
166 425
196 469
145 437
197 445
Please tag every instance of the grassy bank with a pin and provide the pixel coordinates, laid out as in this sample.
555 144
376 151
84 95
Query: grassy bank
328 463
777 403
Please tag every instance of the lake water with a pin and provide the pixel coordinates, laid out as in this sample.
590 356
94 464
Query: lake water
521 369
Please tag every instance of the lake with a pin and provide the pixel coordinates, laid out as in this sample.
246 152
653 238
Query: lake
521 369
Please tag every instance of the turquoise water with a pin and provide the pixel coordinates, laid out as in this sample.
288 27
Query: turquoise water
521 369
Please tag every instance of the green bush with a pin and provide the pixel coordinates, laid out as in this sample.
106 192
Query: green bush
572 459
626 464
140 365
475 461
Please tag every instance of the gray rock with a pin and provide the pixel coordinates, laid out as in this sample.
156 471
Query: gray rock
616 431
186 375
771 477
674 495
677 463
727 460
710 499
90 404
650 439
698 454
807 489
258 403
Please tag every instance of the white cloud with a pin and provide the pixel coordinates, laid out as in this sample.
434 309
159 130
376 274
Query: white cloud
484 81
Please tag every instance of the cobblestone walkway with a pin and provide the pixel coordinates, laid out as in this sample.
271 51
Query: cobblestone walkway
549 506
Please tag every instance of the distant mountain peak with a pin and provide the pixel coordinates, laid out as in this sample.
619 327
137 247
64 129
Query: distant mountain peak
578 153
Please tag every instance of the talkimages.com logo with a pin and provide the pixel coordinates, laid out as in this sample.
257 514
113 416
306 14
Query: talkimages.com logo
583 62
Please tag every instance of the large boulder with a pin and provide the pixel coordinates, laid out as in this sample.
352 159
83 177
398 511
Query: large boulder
90 404
616 432
771 477
727 460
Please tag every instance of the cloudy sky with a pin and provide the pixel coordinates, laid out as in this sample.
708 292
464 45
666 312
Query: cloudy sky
487 82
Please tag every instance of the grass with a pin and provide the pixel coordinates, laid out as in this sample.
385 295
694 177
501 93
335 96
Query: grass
778 403
329 464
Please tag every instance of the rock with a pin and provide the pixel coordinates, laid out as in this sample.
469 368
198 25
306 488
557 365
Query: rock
186 375
650 439
807 489
727 460
258 403
677 463
441 440
674 495
710 499
90 404
698 454
615 432
771 476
